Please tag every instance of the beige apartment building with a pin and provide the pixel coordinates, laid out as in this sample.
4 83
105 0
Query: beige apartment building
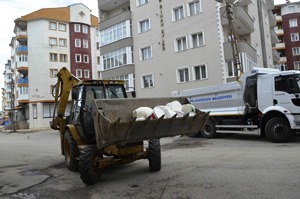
160 46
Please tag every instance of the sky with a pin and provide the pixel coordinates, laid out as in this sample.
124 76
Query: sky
13 9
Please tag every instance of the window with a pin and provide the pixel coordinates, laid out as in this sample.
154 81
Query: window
297 65
230 69
147 81
77 27
78 57
85 29
85 58
293 23
63 42
52 41
183 75
34 111
78 73
291 9
48 109
52 25
98 60
98 45
53 72
142 2
194 8
63 58
296 51
178 13
62 27
144 25
77 43
53 57
146 53
115 32
22 58
181 44
295 37
86 73
85 43
117 58
200 72
197 40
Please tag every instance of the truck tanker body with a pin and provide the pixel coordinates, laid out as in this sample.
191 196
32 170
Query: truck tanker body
264 100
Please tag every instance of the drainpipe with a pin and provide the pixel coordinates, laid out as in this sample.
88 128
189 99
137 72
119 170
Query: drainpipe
262 33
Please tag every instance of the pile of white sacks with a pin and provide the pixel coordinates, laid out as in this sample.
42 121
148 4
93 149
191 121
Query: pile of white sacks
168 111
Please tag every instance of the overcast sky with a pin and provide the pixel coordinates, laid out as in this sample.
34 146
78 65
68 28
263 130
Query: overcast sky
13 9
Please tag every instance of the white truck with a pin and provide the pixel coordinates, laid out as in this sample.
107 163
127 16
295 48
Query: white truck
263 100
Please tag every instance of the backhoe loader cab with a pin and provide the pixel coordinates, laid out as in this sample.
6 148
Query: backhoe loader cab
101 129
83 95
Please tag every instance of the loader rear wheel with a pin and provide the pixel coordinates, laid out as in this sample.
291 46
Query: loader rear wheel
88 168
278 130
154 155
71 152
209 129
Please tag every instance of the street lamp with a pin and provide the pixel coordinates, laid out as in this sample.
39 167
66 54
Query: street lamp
233 41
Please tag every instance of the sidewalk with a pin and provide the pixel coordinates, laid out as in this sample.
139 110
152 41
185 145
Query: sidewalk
3 130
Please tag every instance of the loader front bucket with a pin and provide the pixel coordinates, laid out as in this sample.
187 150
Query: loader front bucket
114 123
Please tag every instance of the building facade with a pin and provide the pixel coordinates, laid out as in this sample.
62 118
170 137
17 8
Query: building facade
45 41
288 18
176 45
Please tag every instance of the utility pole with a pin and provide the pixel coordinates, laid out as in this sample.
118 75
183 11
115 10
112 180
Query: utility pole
233 41
12 113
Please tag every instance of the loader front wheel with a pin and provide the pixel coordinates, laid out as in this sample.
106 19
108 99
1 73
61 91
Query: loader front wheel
71 152
154 156
209 129
88 166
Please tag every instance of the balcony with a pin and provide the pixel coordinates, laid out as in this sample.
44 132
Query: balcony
22 50
279 46
242 22
272 19
278 18
23 82
23 99
108 5
282 60
274 37
115 20
279 32
276 56
243 47
21 36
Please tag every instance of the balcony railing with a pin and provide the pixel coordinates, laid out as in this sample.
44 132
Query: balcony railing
272 19
279 46
23 81
274 37
279 32
108 5
278 18
22 49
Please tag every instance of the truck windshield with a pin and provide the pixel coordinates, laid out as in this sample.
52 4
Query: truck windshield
288 83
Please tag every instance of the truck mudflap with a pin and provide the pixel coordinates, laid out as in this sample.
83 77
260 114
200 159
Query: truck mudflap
114 123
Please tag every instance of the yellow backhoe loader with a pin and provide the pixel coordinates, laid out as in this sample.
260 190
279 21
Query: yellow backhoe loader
101 129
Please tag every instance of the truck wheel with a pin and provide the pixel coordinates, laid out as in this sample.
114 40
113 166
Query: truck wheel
154 155
278 130
209 130
71 152
88 168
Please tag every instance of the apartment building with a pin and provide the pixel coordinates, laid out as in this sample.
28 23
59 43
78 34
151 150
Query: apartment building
45 41
166 45
288 18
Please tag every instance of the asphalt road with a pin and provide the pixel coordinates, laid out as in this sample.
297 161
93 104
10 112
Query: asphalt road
232 166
